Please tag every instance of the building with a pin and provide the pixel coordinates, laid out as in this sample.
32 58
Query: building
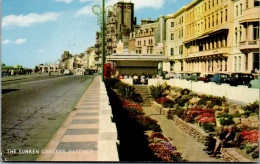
246 39
120 23
145 50
175 29
209 36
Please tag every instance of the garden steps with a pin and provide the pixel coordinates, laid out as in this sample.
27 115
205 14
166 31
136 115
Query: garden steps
144 92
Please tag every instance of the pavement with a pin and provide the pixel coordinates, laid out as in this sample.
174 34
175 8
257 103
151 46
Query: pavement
191 149
82 137
77 138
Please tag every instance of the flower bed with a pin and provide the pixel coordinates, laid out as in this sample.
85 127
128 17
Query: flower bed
251 142
207 121
163 149
132 108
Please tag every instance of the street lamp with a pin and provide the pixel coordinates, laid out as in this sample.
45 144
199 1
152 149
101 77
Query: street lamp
100 12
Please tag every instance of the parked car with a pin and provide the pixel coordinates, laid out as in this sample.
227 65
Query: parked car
240 79
254 83
169 75
220 78
205 77
88 72
67 72
194 76
185 76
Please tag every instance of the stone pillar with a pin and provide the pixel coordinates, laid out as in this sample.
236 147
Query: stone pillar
243 33
250 32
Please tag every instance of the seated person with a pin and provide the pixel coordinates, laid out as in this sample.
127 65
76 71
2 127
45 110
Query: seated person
135 77
224 140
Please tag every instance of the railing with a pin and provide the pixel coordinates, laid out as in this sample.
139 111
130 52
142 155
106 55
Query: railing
250 44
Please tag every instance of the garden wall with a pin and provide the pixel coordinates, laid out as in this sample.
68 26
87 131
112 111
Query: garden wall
194 131
240 93
108 136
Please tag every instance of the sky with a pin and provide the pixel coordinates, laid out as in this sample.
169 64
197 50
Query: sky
39 31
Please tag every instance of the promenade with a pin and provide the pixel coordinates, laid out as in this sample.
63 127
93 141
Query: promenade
82 137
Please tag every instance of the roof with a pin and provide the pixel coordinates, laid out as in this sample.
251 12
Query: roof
119 57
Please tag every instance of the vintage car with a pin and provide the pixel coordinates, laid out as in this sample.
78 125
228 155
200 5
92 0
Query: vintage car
205 77
220 78
240 79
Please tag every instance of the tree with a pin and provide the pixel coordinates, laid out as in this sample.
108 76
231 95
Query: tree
3 64
66 55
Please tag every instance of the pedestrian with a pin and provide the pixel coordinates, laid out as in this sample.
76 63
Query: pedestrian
142 79
135 78
125 77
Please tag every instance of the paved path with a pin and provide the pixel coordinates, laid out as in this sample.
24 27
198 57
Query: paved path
77 138
189 147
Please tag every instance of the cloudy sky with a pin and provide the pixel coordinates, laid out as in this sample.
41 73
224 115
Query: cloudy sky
38 31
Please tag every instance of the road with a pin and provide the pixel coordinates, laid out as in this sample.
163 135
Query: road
33 109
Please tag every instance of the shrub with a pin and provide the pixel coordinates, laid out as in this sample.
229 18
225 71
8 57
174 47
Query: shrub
148 123
215 100
111 82
251 142
182 101
226 119
158 91
185 91
210 127
128 92
132 108
177 89
192 94
166 102
163 149
190 114
251 108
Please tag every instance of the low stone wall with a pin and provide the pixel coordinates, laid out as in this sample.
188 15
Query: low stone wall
108 137
160 109
239 93
191 129
231 155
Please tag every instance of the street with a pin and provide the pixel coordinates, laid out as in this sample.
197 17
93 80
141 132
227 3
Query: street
33 109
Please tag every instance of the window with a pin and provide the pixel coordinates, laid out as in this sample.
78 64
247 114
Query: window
216 19
212 20
172 36
239 63
205 6
235 66
145 43
213 3
217 2
246 4
257 3
226 15
209 4
241 9
209 21
172 24
181 49
256 30
205 24
236 35
240 34
172 51
221 17
256 61
236 10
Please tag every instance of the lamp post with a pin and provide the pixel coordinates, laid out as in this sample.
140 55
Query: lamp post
101 12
